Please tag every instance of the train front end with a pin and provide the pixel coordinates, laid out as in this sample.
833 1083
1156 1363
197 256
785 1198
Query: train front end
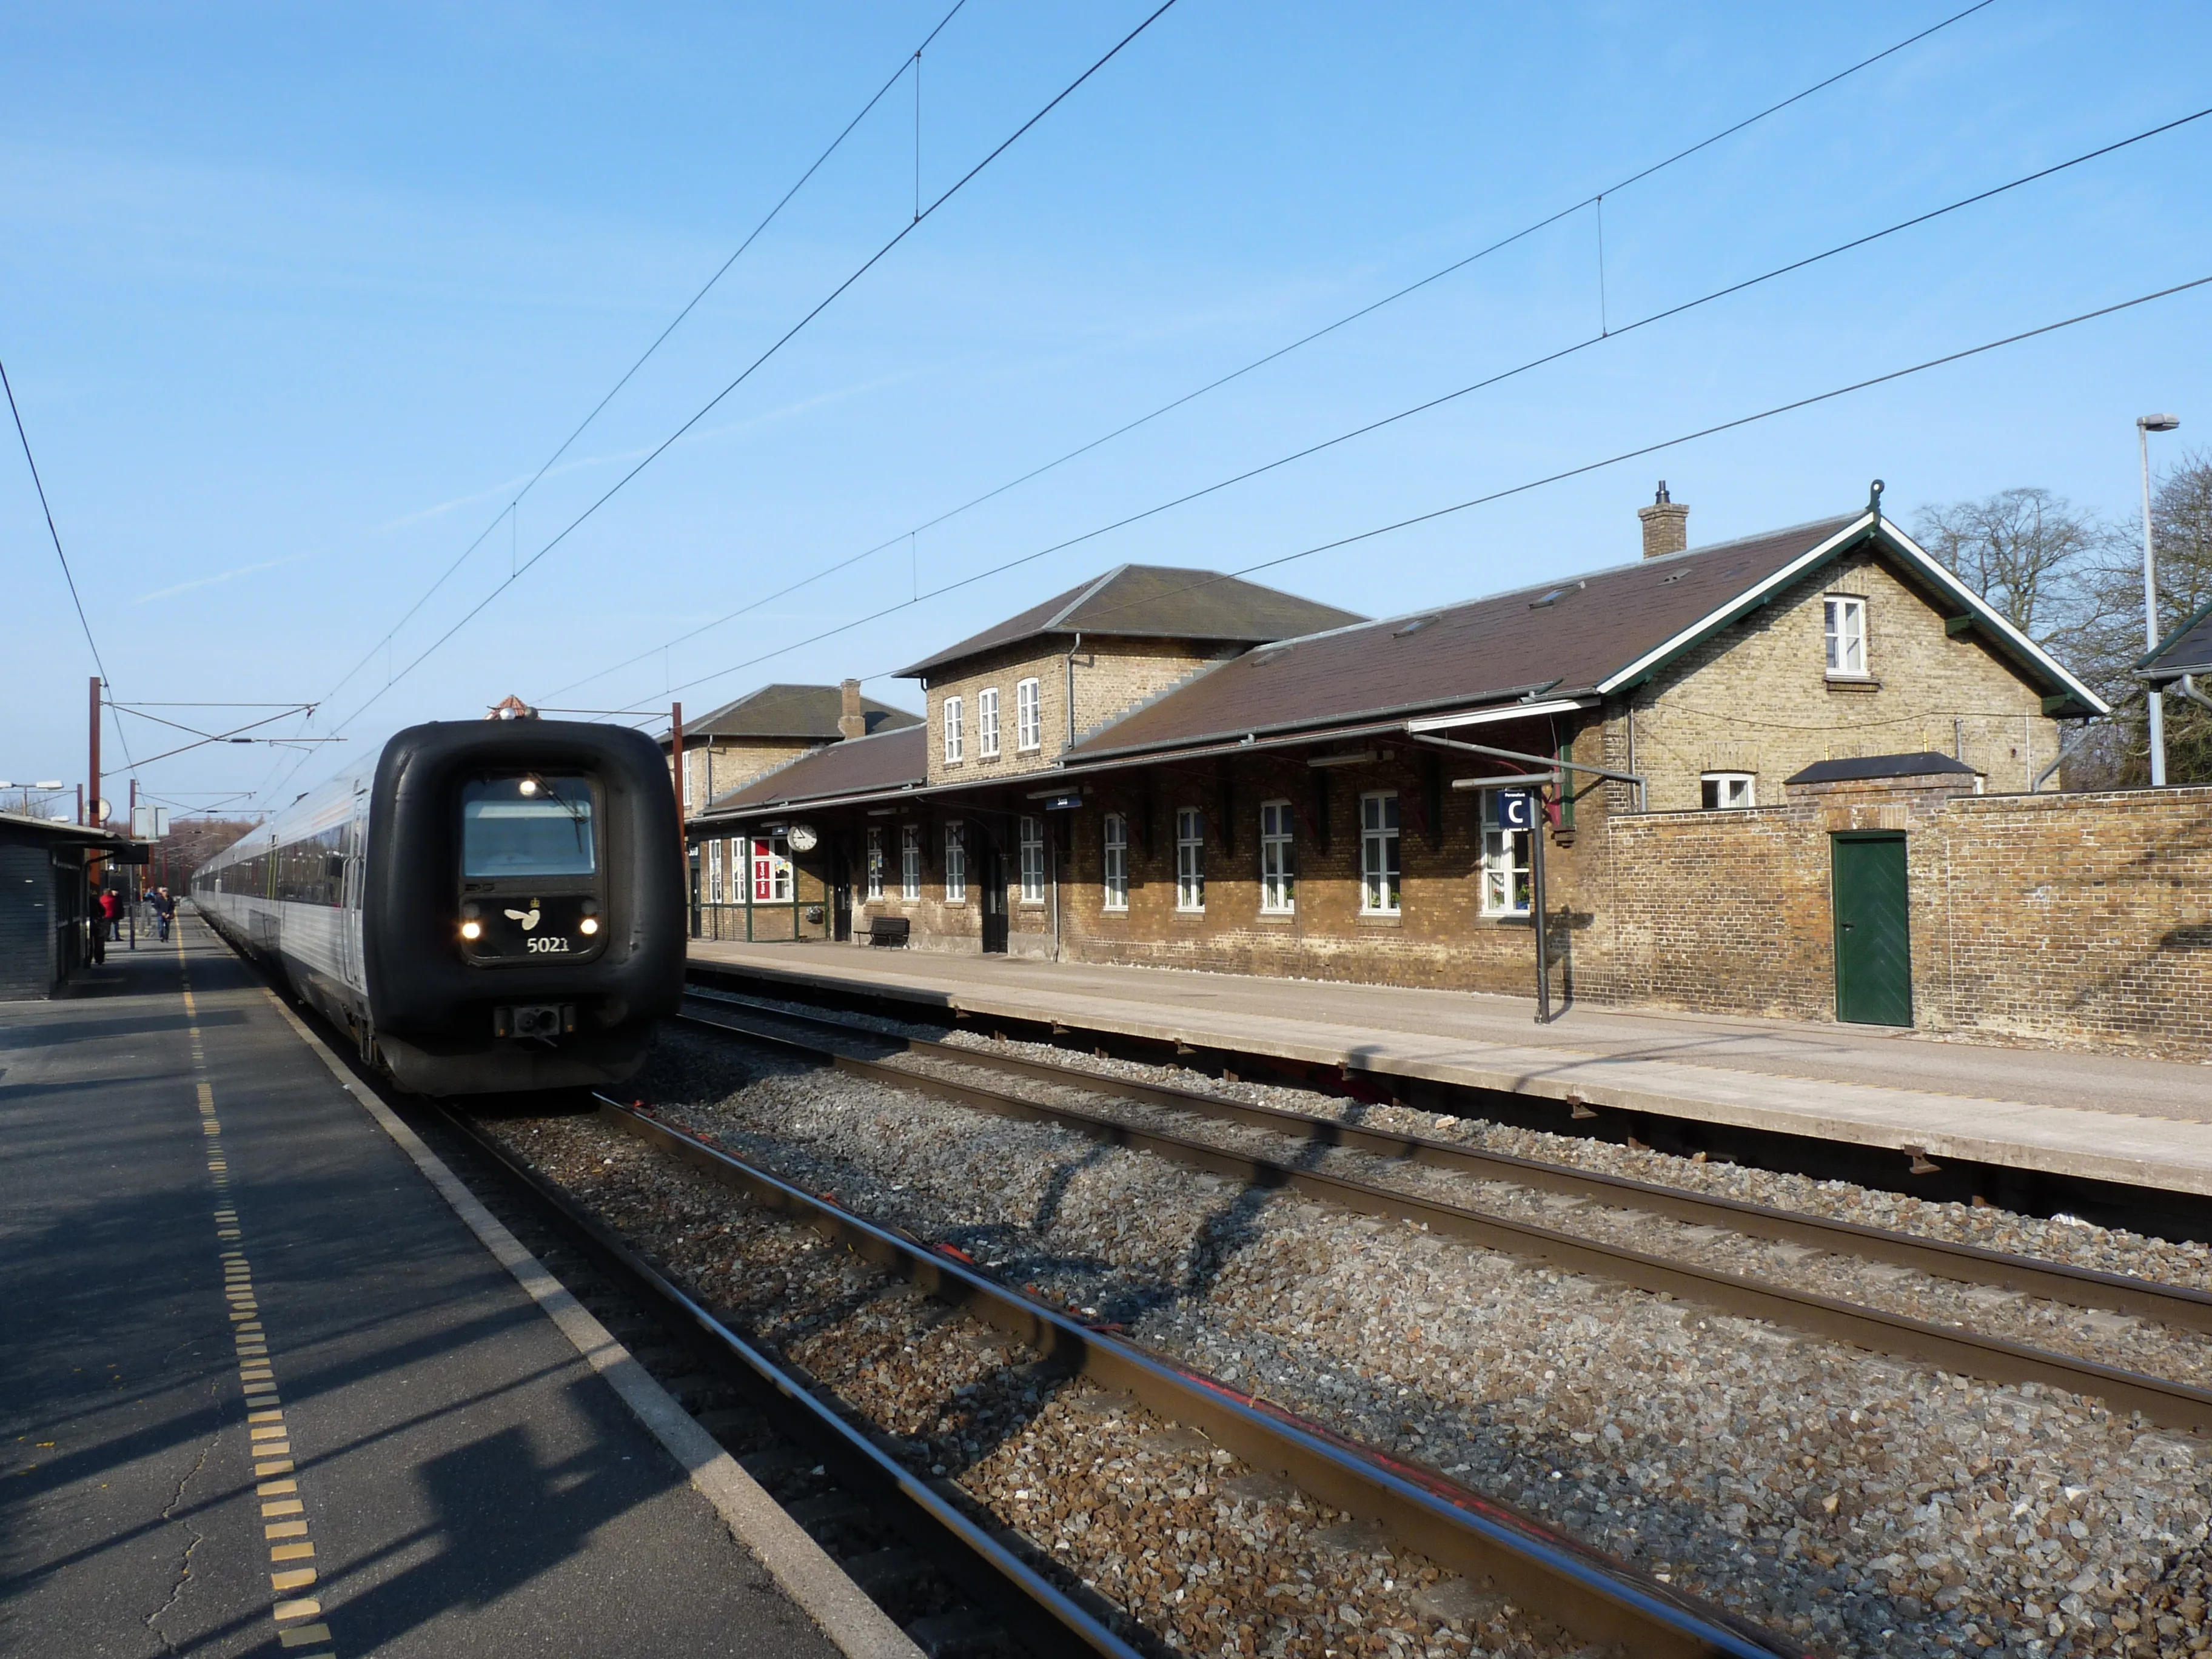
522 922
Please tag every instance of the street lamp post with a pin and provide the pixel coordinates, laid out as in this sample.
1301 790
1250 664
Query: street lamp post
2145 425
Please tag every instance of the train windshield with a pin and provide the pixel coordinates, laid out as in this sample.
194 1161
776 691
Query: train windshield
530 825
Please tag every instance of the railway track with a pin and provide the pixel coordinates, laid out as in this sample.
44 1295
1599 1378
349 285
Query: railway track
952 1583
2171 1403
1499 1551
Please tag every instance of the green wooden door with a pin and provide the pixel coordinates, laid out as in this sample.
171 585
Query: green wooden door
1874 945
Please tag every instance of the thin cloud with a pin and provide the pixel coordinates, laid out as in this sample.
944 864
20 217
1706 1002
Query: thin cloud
751 422
221 576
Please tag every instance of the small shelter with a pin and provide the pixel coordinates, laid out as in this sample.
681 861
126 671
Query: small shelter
46 870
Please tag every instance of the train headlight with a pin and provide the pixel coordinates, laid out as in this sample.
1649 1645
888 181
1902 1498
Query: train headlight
588 925
472 930
530 786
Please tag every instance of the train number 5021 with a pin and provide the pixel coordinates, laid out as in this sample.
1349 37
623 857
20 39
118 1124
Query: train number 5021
541 947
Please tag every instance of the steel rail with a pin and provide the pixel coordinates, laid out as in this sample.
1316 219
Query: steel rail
1043 1613
2173 1405
1548 1573
2088 1287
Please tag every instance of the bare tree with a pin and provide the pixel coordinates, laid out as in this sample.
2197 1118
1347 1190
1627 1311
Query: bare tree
2111 632
2181 530
2028 552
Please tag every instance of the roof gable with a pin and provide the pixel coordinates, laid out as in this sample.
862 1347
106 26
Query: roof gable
1153 601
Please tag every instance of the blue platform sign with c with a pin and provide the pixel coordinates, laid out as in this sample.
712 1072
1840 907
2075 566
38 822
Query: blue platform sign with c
1516 809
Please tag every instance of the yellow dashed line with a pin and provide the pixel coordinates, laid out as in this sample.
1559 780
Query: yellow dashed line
283 1513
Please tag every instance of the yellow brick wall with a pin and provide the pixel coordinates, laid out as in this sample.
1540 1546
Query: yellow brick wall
1111 677
721 764
1757 697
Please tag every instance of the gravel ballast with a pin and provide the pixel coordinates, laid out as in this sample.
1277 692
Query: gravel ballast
1865 1506
1196 1548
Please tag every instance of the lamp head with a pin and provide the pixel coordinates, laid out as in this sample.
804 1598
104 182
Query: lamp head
2158 423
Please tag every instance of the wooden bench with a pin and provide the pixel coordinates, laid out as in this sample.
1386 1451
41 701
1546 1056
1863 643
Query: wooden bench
889 930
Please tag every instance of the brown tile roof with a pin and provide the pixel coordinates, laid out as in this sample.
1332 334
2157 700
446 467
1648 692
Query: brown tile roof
789 711
1564 637
858 766
1155 601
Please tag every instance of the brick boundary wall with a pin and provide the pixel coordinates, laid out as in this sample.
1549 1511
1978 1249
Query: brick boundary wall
2072 918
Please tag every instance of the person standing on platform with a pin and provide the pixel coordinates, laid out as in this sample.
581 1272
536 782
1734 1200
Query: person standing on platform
110 911
165 911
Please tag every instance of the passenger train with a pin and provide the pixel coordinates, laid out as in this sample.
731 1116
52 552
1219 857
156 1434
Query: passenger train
492 905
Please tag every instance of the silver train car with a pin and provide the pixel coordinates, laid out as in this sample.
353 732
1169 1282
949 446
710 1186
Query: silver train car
492 905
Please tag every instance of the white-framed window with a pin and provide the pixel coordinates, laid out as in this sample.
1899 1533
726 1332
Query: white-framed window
1379 852
714 872
986 723
1727 792
1116 863
953 735
1029 728
1843 626
1278 880
909 861
876 862
771 862
955 864
685 770
1190 859
1507 846
1031 843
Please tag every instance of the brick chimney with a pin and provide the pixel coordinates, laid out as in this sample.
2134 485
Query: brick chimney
851 722
1666 525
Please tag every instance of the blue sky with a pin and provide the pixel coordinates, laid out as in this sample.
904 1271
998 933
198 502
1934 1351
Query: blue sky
294 299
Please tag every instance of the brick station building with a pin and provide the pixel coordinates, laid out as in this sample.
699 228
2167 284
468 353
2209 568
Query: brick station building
1744 777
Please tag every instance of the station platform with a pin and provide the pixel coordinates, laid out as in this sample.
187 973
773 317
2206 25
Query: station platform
264 1393
2119 1118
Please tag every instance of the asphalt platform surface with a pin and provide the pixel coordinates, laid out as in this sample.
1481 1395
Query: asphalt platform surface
417 1462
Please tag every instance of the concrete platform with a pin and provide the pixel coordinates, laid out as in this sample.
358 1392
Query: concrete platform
2139 1122
299 1409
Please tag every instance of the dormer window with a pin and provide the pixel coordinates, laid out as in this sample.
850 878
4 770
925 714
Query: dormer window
1843 625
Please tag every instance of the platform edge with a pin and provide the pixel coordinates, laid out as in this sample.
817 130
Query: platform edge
801 1568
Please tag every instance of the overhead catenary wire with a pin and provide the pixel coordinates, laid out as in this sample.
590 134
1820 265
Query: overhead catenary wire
1521 488
511 510
661 448
67 575
1561 353
1595 199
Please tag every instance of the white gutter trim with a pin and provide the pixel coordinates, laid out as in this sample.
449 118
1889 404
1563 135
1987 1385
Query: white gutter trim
1982 612
1713 619
1518 711
1987 614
